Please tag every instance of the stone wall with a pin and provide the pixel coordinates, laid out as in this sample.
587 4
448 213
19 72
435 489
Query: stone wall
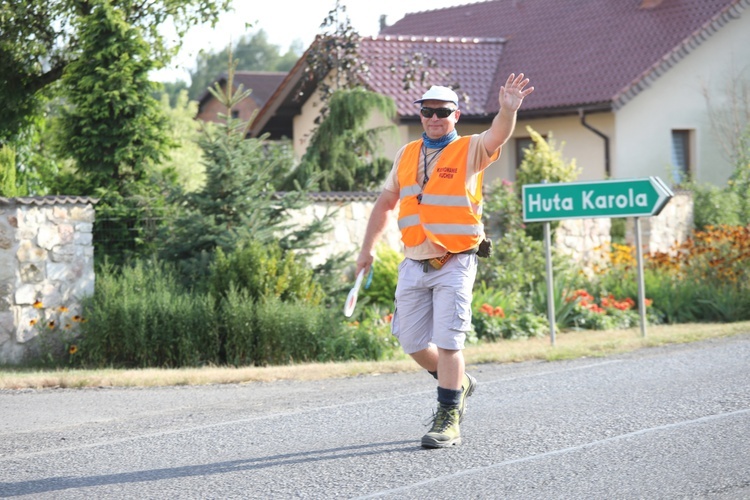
672 226
46 268
587 241
349 214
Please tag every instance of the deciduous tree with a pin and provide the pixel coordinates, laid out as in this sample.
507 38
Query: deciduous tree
39 38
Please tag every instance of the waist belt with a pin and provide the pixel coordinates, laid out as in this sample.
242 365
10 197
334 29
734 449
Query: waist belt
439 262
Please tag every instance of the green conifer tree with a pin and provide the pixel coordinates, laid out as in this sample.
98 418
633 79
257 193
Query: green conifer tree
238 202
113 127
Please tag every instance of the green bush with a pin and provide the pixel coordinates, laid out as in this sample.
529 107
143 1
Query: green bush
368 339
141 317
264 271
239 328
585 318
384 277
542 161
275 332
288 332
676 299
8 186
714 206
503 211
523 325
518 266
726 303
565 306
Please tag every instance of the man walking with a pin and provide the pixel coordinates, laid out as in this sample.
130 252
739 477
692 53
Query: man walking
437 183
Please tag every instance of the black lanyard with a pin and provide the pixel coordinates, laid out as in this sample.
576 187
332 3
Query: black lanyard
426 164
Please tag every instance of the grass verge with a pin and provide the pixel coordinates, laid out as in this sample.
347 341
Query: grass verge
568 345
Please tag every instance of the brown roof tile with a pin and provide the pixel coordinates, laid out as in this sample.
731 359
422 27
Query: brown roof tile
462 64
577 53
262 83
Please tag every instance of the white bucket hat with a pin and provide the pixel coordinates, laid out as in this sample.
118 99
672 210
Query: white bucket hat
438 93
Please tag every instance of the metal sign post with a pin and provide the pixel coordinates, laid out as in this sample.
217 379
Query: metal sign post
550 282
641 284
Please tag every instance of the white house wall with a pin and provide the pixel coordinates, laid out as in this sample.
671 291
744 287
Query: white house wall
569 136
675 102
304 123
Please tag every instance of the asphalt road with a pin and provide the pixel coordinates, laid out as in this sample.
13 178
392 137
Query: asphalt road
670 422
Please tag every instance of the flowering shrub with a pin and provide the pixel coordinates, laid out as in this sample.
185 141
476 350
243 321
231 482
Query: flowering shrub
608 312
57 334
705 278
487 322
369 338
491 324
718 254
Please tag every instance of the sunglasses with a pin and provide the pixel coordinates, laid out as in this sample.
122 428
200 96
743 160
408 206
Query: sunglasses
440 112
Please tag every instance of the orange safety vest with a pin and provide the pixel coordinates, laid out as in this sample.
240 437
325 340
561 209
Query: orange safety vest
448 213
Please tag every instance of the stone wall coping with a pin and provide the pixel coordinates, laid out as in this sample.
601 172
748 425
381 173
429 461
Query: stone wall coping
328 196
48 200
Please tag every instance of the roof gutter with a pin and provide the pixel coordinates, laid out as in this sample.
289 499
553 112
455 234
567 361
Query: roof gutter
607 169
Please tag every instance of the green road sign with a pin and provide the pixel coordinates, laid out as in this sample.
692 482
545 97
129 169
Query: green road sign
584 200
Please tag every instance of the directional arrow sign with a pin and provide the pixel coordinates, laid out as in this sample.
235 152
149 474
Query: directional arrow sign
583 200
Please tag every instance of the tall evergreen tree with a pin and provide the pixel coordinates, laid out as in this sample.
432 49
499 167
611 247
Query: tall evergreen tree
343 152
112 126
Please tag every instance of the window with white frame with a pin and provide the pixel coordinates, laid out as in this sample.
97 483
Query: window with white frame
681 157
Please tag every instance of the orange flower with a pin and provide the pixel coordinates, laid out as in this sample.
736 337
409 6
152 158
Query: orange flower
499 312
73 349
596 309
582 294
388 318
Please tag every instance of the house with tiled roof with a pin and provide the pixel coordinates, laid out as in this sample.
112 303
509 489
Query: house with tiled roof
620 85
262 84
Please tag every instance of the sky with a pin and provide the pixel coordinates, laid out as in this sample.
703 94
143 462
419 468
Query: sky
286 21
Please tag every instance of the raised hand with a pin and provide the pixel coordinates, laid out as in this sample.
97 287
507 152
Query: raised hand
513 92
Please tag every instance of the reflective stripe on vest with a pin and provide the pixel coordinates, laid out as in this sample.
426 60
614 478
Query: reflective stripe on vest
408 221
445 200
414 190
455 229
